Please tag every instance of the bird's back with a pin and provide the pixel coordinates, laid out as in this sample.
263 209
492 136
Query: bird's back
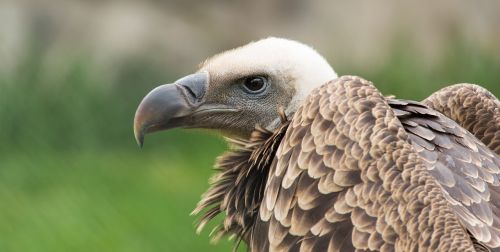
466 169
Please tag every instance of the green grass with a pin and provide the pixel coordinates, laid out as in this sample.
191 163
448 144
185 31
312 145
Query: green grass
106 201
73 179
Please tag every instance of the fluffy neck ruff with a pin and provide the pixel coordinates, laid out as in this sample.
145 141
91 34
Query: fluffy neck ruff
238 186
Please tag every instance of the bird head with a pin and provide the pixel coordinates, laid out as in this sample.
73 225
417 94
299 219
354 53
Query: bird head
236 90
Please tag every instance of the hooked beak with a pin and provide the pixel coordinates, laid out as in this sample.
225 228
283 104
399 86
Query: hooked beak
170 105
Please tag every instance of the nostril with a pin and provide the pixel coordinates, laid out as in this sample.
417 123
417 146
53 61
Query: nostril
194 86
191 92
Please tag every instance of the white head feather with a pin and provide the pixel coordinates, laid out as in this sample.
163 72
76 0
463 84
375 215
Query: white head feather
303 65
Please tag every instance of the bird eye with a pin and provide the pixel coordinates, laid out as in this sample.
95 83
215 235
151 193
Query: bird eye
255 85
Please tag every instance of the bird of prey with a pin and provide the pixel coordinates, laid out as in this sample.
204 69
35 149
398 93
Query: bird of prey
327 163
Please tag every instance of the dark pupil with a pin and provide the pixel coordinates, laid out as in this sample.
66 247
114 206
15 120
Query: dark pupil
255 84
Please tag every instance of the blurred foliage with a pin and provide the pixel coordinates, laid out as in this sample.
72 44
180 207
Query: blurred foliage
72 178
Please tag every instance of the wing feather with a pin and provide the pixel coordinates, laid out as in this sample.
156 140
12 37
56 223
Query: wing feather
466 169
472 107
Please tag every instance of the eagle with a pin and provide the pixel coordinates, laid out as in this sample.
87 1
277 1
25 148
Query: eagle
326 163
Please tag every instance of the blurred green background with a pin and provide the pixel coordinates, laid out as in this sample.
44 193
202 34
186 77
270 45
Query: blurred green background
73 72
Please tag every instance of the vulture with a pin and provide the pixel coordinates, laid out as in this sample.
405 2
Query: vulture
326 163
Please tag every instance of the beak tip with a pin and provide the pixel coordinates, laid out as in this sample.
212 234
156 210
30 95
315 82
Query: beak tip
140 141
139 136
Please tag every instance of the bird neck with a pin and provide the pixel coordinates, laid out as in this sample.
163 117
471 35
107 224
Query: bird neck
238 187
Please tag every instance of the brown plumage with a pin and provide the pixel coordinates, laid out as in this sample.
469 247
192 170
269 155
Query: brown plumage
355 171
473 108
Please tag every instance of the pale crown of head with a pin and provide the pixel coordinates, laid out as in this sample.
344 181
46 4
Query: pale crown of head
303 67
